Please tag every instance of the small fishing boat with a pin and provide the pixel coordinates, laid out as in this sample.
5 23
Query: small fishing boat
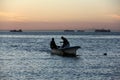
67 51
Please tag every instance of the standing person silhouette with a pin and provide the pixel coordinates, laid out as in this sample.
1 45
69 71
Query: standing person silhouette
53 44
65 42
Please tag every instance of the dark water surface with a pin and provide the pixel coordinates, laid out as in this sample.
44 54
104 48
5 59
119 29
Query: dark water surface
27 57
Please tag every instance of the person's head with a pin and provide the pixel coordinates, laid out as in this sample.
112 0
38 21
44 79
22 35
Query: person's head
52 39
62 37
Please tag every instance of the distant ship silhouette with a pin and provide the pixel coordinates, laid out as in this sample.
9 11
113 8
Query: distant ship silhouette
20 30
102 30
68 30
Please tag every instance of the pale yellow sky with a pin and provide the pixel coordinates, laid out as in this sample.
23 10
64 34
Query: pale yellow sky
59 11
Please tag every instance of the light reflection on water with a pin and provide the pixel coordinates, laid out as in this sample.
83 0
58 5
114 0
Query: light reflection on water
27 57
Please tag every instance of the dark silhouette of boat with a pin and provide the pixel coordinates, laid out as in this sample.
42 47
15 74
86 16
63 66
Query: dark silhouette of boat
66 50
69 31
102 30
80 31
20 30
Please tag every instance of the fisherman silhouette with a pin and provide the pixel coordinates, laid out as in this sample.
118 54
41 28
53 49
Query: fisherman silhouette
65 42
53 44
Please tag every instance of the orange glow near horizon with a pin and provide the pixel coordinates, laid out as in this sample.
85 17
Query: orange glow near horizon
58 11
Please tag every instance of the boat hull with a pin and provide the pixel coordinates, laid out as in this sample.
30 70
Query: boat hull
70 51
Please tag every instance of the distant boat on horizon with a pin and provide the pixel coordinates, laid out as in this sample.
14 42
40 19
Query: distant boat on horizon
20 30
80 31
102 30
69 31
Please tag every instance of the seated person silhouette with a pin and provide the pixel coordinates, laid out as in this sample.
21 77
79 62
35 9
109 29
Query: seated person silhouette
53 44
65 42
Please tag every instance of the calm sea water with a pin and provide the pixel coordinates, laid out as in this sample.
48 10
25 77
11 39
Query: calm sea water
27 56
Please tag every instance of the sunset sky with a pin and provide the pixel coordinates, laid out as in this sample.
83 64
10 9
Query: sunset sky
59 14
